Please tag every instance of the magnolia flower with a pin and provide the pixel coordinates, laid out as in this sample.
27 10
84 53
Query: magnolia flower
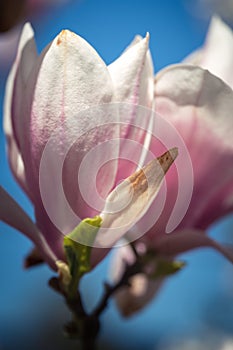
58 110
199 105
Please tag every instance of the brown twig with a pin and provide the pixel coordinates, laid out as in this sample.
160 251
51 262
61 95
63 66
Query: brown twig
86 326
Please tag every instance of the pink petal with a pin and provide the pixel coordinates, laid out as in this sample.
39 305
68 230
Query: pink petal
12 214
65 127
142 290
132 75
220 202
24 60
182 241
217 53
199 106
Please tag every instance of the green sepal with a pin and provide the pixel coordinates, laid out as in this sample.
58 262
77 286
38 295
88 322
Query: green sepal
78 255
166 268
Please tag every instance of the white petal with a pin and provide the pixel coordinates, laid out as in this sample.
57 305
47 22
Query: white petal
66 125
132 75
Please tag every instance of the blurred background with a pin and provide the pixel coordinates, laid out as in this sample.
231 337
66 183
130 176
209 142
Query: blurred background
195 308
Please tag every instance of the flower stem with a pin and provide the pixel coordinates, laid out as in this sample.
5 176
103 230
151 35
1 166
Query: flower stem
130 271
86 326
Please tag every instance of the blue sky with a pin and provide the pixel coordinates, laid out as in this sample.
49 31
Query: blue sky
196 300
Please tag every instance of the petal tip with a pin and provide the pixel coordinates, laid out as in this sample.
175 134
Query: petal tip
147 38
145 41
174 152
218 25
61 37
65 35
28 30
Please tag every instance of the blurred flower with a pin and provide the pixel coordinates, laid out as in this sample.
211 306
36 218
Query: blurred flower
60 104
217 53
13 11
206 8
199 105
12 14
211 341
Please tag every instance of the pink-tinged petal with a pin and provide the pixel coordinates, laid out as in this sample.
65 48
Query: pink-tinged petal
12 214
217 53
24 61
130 200
186 85
228 198
141 291
220 202
24 64
182 241
65 127
199 106
132 75
134 298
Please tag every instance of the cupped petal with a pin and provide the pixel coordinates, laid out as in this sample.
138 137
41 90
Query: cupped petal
132 75
217 53
186 85
141 291
12 214
199 105
15 88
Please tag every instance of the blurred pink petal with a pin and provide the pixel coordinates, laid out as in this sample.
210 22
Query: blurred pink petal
12 214
217 53
142 289
183 241
16 84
